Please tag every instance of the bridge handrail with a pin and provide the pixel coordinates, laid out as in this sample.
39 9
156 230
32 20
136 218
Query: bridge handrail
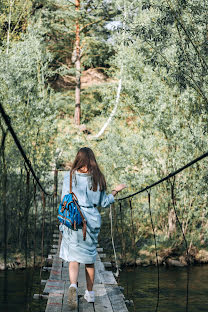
165 178
19 146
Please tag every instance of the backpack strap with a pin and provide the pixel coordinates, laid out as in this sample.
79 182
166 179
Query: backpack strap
84 227
70 186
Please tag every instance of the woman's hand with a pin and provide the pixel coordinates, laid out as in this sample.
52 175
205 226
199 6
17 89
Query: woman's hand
118 188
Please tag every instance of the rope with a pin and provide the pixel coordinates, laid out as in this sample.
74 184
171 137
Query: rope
114 251
167 177
19 146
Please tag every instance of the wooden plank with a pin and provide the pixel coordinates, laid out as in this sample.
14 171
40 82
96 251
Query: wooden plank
65 274
43 282
56 235
46 269
102 302
55 274
107 264
65 264
116 298
57 263
54 286
40 296
99 249
54 251
54 303
51 257
55 246
99 265
108 278
85 306
81 277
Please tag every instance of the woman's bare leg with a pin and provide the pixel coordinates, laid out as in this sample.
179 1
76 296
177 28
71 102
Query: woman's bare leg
73 272
90 275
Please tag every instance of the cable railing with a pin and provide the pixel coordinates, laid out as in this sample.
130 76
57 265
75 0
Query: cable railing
21 150
27 199
173 174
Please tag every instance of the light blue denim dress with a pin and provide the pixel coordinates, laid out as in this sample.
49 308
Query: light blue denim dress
73 247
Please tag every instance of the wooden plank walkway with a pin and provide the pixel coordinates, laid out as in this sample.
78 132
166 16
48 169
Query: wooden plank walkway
108 297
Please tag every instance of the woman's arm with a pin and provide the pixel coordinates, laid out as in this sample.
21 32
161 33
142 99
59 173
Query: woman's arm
118 188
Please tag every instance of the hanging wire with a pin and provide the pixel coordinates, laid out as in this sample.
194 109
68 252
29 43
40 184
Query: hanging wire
167 177
35 221
133 231
26 212
177 218
112 239
19 146
43 227
184 238
42 237
156 254
122 234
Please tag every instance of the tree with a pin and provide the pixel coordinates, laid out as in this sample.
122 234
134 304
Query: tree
72 31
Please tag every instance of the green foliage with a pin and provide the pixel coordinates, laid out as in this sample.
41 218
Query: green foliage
161 120
20 12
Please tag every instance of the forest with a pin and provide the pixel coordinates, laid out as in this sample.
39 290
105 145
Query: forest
125 78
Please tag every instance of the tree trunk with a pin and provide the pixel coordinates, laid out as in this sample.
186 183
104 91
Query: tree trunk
171 223
77 113
9 25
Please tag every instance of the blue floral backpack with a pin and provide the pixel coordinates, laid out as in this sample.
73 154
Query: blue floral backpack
69 212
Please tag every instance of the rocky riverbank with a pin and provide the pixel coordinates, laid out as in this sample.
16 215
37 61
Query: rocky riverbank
17 261
166 258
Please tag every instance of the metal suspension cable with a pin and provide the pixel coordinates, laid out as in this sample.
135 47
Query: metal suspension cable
167 177
19 146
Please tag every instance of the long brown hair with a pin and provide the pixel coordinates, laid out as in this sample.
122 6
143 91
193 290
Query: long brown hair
86 157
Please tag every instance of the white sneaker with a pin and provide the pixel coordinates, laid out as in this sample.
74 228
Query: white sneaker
89 296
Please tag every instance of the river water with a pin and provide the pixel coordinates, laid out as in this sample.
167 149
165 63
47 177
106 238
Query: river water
140 285
17 289
175 294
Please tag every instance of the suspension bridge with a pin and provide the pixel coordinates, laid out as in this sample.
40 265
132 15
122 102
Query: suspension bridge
108 293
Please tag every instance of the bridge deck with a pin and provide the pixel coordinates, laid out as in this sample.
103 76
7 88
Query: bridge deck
108 296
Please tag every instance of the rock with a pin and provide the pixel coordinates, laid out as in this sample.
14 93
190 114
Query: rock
173 262
160 260
202 256
183 260
129 302
138 261
2 266
146 262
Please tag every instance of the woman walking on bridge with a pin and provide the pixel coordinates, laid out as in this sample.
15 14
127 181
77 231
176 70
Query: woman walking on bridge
89 185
